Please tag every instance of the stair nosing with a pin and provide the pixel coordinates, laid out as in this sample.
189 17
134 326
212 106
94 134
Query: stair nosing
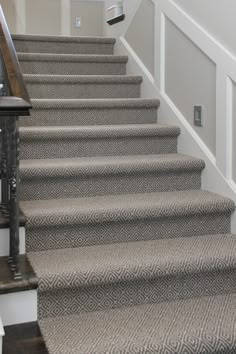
71 39
91 58
149 262
83 79
101 131
107 166
115 208
96 103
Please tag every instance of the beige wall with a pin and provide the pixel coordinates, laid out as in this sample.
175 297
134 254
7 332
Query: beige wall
140 34
10 13
92 17
43 17
190 79
217 16
234 132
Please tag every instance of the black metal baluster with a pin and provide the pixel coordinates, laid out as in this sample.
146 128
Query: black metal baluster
14 195
5 165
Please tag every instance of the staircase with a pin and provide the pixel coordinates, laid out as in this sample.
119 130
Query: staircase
131 255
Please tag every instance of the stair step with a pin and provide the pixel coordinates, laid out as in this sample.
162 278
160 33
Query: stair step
68 223
85 141
82 86
61 44
56 112
70 178
199 325
150 271
72 64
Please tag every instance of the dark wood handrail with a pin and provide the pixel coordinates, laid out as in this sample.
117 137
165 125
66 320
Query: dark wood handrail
12 66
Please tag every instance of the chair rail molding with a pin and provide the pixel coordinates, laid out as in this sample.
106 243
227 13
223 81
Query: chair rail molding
218 176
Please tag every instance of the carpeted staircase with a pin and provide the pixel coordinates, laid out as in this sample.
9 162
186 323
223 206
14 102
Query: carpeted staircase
132 256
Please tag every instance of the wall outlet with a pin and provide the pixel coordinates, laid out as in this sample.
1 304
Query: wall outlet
198 116
78 22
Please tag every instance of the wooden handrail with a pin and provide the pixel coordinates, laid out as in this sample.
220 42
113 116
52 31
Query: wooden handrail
12 66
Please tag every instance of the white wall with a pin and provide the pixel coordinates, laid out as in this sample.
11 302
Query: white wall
217 16
9 10
43 17
92 18
140 34
190 79
54 17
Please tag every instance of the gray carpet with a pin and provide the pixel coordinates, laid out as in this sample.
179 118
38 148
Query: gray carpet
131 255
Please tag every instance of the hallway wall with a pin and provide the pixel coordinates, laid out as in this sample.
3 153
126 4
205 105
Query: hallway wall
54 17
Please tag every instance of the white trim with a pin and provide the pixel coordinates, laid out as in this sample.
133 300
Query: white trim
18 307
4 241
229 128
2 334
65 18
20 7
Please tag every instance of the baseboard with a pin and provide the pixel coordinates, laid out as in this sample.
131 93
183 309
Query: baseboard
4 241
19 307
189 141
1 334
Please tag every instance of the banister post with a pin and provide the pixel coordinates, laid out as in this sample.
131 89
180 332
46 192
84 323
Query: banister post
14 196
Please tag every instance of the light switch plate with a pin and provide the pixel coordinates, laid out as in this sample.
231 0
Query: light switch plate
198 122
78 22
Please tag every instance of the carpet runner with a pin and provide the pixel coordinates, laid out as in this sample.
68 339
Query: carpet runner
131 255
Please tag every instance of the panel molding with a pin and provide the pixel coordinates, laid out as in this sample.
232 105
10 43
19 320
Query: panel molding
217 176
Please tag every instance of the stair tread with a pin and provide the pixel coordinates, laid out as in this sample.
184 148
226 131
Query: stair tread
96 103
116 79
51 38
109 165
124 207
195 325
92 58
125 262
99 131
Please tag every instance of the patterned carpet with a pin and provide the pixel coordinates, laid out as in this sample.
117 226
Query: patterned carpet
132 256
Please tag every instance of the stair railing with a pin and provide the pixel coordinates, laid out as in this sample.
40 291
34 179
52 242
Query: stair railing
14 102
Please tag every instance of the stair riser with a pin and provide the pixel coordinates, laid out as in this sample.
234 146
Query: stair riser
71 301
77 235
107 116
90 90
39 149
87 186
72 68
62 48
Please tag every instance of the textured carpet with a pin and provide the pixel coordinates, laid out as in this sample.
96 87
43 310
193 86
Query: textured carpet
132 256
194 326
79 86
72 64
